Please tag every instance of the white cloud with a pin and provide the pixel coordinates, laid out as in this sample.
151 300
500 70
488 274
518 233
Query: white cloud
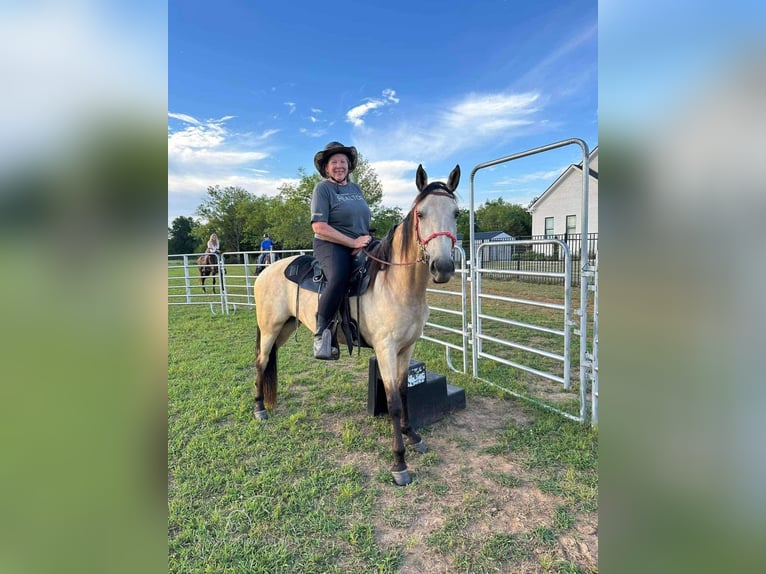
313 133
355 114
549 176
205 143
206 153
184 118
290 105
474 121
187 191
197 184
398 180
267 134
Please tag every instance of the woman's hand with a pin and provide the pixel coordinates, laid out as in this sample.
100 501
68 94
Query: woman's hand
361 242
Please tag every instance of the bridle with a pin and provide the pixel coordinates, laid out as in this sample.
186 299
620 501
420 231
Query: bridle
423 242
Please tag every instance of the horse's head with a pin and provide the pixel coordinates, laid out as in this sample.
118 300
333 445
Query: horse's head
436 212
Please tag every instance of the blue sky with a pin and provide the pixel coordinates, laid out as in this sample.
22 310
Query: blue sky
256 88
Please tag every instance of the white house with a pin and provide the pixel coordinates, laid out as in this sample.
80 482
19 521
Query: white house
558 211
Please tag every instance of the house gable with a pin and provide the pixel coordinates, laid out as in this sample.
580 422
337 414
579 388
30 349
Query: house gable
564 198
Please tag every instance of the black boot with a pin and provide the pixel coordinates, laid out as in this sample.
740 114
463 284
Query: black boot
323 348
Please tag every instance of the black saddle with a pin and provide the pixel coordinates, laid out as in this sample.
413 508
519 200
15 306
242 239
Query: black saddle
306 271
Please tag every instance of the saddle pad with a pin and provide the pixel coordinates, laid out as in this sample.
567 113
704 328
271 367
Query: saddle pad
306 272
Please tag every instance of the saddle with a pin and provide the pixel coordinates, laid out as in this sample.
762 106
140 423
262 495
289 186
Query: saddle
307 273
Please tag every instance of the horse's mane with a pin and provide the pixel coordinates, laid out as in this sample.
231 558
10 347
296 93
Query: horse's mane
384 249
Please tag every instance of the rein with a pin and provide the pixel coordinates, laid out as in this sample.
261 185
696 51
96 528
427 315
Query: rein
382 262
421 242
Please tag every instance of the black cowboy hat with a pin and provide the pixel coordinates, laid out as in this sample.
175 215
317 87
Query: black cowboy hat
321 157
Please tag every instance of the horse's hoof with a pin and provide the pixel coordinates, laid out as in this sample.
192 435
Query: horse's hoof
401 477
260 415
419 447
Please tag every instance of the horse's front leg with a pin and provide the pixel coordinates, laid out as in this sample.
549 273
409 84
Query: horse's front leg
414 440
391 382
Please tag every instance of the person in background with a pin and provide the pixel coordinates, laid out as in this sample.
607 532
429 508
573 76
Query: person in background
212 245
340 219
266 245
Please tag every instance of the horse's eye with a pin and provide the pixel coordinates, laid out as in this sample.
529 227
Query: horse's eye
457 213
419 214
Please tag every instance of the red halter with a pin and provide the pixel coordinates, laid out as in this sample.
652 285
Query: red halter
423 242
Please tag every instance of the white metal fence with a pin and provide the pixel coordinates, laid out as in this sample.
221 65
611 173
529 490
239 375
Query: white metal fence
234 282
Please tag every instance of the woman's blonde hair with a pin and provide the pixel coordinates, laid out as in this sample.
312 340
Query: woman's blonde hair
213 236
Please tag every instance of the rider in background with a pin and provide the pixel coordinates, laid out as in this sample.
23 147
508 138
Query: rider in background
212 245
266 245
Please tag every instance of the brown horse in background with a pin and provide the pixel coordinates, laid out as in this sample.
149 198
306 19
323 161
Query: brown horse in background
208 267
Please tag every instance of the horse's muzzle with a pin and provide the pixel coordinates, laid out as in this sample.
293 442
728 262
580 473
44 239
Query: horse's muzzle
442 270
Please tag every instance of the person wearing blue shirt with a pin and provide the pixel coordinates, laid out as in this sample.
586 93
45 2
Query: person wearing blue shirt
266 245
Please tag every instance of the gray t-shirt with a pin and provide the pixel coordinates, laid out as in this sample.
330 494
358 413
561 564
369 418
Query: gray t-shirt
342 207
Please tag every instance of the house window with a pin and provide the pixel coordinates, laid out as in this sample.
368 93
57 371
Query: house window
548 227
571 225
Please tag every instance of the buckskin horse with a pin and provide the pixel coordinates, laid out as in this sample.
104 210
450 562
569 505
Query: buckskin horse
392 311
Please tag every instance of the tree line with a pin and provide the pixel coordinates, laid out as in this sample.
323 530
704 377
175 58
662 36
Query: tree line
240 218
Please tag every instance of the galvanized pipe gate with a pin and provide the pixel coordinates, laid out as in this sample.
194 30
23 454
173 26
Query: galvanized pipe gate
476 323
588 361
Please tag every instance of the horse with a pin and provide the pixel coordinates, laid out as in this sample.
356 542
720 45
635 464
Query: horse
392 311
264 260
208 266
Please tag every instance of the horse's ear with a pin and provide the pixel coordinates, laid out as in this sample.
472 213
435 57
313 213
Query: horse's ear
421 179
454 179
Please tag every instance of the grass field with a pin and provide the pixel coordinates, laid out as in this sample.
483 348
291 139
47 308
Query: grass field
505 487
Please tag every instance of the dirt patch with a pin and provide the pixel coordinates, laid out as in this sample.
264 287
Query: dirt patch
462 496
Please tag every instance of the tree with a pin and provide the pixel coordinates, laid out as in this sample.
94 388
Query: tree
463 224
291 212
259 221
366 178
384 218
497 215
300 193
291 223
181 235
226 211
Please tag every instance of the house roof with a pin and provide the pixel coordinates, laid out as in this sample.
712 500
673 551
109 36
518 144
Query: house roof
485 235
567 171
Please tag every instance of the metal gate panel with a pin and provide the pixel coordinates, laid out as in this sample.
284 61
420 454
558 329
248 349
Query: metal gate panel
442 312
588 362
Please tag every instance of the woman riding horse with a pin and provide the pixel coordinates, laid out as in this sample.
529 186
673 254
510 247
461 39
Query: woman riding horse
340 219
392 312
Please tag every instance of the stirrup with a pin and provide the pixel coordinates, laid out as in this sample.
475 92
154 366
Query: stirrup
323 348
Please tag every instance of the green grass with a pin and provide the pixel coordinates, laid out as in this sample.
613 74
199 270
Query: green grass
309 490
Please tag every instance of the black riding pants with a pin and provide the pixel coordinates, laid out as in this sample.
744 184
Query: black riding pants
336 261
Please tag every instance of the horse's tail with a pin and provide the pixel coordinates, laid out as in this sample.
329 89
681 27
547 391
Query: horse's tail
269 373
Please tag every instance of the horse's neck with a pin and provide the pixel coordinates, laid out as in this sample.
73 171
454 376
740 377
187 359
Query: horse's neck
409 278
